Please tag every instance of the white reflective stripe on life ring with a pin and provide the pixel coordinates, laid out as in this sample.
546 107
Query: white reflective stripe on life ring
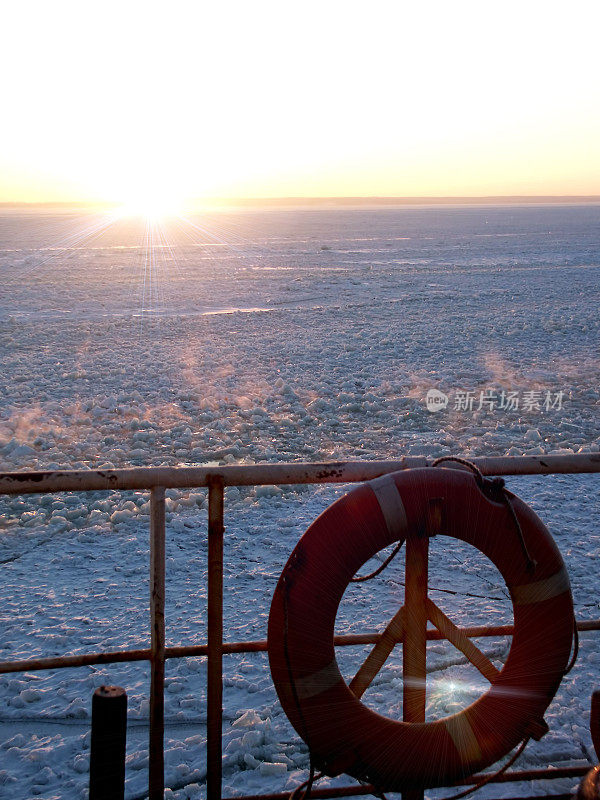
312 685
539 591
391 505
461 733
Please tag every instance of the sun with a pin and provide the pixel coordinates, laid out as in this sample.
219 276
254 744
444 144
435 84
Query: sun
152 206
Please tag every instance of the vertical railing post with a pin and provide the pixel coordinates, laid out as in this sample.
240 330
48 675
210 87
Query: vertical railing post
156 776
215 638
414 646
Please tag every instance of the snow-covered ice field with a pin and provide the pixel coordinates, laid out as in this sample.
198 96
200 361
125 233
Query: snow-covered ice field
274 335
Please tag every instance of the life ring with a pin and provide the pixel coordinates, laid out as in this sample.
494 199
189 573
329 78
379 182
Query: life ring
343 734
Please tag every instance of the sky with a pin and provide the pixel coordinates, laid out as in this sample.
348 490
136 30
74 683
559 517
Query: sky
131 102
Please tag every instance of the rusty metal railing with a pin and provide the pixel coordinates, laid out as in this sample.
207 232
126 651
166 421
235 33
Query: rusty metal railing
157 479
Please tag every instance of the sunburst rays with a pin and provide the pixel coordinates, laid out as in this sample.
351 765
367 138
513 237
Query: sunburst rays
151 257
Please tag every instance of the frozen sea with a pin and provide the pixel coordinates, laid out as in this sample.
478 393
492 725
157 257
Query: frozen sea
260 336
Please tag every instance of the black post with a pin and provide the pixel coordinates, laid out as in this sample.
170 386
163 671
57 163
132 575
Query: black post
107 752
595 722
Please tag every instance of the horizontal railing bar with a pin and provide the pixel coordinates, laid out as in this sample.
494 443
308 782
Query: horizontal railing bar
28 482
558 796
361 791
256 646
260 645
64 662
517 775
365 789
514 776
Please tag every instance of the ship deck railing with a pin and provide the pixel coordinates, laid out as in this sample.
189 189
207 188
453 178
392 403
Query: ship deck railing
156 480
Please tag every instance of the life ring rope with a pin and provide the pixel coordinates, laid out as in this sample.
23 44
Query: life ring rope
499 485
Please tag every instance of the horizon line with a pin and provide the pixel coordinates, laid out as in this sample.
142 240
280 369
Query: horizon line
330 199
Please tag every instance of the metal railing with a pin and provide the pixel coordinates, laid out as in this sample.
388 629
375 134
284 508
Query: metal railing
157 479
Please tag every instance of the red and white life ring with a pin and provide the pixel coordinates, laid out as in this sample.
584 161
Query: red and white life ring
342 733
